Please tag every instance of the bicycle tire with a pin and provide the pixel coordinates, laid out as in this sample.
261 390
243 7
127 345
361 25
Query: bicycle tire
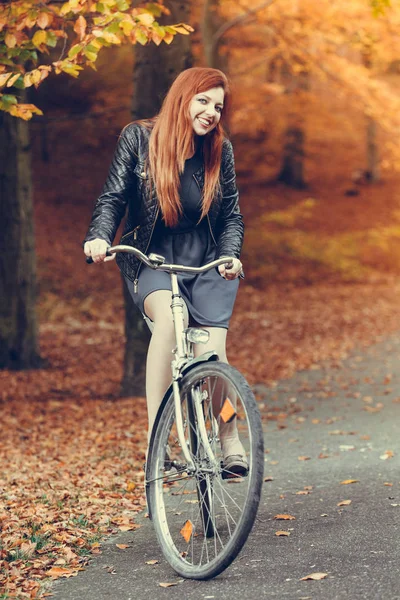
161 484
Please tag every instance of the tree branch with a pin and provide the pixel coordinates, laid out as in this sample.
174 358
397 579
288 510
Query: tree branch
238 20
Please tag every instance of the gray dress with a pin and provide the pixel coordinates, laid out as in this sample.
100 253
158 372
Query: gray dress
209 297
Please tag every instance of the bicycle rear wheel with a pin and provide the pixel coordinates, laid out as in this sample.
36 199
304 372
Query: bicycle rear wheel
203 516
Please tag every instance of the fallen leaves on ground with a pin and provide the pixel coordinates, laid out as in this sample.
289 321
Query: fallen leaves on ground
344 503
71 453
284 517
65 472
282 533
387 454
314 576
349 481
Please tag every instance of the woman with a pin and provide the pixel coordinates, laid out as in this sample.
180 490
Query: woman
175 173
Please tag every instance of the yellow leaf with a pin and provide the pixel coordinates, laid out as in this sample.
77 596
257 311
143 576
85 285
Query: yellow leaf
92 56
140 36
13 79
168 38
167 585
10 40
284 517
314 576
4 78
126 527
122 546
80 27
303 458
126 26
111 38
44 20
145 18
32 78
154 561
348 481
39 38
282 533
24 111
182 28
344 503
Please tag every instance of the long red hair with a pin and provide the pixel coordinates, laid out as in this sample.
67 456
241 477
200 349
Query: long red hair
172 141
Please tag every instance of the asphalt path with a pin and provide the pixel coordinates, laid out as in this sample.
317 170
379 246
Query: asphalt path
342 423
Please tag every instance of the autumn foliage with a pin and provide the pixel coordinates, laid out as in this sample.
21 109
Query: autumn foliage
31 29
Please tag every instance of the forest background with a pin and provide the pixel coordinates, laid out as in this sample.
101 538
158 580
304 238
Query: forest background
315 129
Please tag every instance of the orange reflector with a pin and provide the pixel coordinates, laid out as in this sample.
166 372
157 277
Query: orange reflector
228 411
187 530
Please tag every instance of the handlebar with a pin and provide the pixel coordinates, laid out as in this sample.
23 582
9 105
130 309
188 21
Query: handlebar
157 262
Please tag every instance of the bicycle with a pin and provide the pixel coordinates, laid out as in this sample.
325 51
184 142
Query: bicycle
202 511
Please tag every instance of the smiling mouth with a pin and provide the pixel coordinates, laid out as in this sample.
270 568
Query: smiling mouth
204 122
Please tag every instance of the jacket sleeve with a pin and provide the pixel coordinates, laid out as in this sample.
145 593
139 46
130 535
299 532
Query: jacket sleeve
111 204
230 240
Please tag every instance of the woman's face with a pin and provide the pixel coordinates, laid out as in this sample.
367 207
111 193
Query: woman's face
205 110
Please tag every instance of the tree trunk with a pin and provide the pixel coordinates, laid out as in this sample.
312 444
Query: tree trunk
214 49
18 325
373 171
137 340
292 168
155 69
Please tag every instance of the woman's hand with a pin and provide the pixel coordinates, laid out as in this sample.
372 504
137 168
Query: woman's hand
233 272
97 250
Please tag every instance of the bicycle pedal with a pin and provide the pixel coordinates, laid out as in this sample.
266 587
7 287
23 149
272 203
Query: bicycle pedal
234 472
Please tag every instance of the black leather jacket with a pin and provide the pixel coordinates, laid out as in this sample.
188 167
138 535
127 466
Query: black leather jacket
127 186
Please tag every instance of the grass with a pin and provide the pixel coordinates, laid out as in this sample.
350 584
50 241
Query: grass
284 239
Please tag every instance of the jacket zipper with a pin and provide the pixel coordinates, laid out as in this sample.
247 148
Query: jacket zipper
208 218
134 231
135 283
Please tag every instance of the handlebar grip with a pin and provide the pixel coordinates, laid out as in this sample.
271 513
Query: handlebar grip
90 260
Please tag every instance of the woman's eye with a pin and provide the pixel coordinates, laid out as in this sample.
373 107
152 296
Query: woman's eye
202 100
219 109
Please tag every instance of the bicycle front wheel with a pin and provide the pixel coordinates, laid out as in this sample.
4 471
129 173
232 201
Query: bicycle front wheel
204 512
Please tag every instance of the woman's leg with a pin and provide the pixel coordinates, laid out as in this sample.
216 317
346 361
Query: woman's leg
228 433
157 307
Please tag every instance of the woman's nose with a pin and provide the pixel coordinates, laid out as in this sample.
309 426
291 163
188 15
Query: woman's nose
210 111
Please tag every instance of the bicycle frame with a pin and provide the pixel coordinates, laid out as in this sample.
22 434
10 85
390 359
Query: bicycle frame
183 351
